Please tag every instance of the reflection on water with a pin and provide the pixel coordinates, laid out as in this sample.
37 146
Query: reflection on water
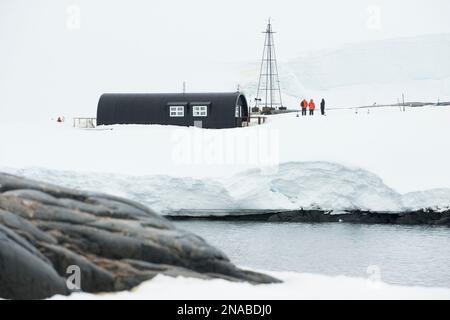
407 255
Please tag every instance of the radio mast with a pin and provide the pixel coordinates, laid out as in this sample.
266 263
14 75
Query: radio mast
269 91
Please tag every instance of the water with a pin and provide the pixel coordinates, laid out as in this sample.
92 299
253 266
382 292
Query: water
406 255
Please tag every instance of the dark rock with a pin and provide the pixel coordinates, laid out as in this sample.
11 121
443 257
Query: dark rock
116 243
24 273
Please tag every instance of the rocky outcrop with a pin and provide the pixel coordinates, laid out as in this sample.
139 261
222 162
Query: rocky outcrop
46 230
419 217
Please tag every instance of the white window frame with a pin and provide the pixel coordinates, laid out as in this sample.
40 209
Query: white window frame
176 111
200 110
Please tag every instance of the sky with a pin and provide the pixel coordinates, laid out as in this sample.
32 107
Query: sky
58 56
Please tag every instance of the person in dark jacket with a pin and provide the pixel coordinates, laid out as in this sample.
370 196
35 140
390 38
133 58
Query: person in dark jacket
322 107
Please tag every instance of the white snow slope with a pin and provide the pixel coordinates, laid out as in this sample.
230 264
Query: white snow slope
296 286
385 160
365 73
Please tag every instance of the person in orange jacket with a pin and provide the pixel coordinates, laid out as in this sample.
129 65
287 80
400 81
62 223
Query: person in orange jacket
312 106
304 107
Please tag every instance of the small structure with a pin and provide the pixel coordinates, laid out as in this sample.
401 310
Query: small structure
84 123
206 110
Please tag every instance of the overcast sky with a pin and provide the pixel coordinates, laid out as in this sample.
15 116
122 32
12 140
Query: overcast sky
230 27
52 50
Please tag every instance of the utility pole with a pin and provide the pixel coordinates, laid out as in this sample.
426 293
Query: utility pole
269 91
403 99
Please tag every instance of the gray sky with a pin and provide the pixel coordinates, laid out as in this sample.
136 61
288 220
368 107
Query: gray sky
48 60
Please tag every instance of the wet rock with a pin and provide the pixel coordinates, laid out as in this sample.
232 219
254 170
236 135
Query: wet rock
115 243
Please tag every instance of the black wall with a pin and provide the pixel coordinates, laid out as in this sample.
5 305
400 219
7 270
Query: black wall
154 109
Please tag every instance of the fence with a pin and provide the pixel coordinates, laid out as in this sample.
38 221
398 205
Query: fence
85 123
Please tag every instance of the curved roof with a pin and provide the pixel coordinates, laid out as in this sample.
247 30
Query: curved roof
226 98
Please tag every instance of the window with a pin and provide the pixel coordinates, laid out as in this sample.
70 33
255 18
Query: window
176 111
200 111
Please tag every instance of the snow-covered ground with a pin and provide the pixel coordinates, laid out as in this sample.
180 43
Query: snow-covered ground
380 159
295 286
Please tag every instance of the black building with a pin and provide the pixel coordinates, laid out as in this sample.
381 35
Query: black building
209 110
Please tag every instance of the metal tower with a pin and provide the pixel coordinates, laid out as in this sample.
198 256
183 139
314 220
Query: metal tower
269 92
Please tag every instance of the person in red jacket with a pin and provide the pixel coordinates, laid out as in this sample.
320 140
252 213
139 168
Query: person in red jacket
312 106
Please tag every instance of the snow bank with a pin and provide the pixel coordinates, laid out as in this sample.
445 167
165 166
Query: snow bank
161 193
434 198
309 184
296 286
292 186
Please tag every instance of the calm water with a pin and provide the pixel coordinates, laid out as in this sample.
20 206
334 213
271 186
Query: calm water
404 255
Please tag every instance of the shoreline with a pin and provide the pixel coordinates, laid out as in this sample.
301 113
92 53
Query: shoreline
419 217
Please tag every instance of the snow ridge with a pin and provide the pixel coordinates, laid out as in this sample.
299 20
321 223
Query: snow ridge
294 185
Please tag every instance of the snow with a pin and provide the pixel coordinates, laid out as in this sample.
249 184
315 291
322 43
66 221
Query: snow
422 199
389 143
309 184
361 74
408 150
382 160
353 74
295 286
294 185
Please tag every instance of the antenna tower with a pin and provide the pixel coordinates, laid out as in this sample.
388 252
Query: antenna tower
269 91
